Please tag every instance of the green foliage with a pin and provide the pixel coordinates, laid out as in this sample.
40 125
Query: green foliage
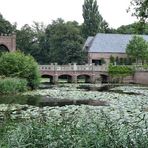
12 85
65 42
137 49
145 66
25 38
17 64
69 132
120 61
32 40
120 70
135 28
50 44
112 60
117 61
93 21
139 9
5 26
102 61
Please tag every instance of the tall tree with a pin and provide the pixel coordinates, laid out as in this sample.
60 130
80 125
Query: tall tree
5 26
65 42
137 49
140 9
133 29
93 21
32 40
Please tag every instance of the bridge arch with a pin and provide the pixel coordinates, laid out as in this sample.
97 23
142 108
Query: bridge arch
3 48
65 78
47 76
104 78
83 78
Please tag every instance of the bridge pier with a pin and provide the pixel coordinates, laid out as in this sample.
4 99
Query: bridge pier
55 79
92 79
51 80
74 79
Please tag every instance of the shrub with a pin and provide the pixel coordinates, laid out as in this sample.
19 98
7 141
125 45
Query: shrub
17 64
112 60
12 85
121 70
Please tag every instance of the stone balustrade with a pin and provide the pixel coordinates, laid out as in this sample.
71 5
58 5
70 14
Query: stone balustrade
73 67
140 68
86 67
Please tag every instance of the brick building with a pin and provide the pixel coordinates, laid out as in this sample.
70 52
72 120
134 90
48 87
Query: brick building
103 46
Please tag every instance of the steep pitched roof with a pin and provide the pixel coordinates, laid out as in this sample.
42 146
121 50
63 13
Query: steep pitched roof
113 43
88 42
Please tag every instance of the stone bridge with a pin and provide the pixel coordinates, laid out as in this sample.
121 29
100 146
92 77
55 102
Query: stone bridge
90 72
74 72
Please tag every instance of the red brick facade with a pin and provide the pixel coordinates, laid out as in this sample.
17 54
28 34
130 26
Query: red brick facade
105 56
9 41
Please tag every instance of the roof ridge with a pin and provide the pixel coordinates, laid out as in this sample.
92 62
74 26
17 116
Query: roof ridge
121 34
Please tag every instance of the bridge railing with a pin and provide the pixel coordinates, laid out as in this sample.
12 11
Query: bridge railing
73 67
140 67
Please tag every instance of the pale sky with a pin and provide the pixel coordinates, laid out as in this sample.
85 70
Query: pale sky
27 11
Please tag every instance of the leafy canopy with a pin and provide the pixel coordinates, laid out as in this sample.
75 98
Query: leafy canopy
137 49
5 26
93 21
135 28
65 42
140 9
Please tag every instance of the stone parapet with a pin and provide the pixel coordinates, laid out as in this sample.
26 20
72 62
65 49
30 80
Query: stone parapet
73 67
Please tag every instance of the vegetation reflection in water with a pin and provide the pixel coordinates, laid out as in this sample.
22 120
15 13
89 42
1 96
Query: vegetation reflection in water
20 99
66 94
36 99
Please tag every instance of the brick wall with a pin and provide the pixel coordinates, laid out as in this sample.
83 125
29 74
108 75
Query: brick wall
105 56
141 77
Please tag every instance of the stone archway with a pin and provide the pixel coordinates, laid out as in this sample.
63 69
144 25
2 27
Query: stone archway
84 78
65 78
8 41
104 78
3 49
48 77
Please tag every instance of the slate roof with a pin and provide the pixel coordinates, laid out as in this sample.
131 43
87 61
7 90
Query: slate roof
88 42
112 43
